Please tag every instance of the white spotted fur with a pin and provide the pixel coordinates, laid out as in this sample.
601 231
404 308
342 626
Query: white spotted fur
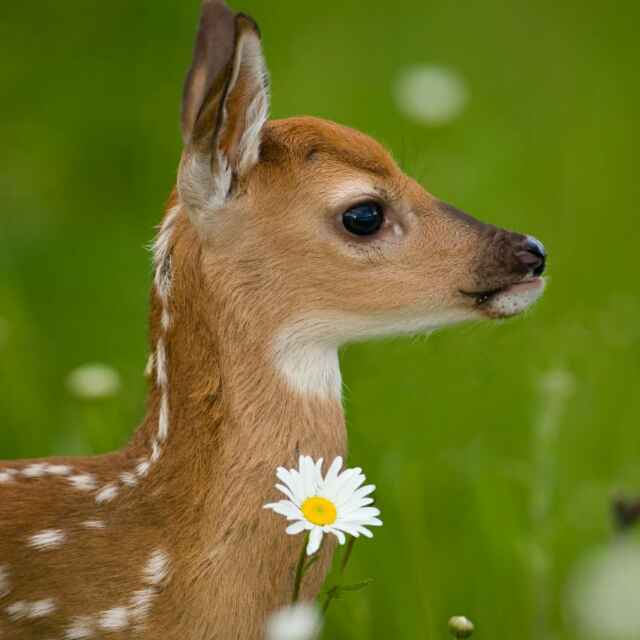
107 493
47 539
83 482
5 582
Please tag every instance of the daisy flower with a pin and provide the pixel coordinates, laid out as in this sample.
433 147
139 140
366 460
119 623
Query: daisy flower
337 503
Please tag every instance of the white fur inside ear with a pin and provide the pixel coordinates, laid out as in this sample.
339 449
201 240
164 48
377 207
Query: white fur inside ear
205 179
256 77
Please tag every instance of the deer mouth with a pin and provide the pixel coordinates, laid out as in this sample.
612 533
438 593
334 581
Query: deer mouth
509 300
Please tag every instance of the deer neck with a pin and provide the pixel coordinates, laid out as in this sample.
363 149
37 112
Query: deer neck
222 413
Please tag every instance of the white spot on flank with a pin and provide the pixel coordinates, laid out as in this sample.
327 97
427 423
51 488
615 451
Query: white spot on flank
17 610
34 470
5 584
156 569
114 619
80 629
41 608
93 524
6 476
129 479
83 482
47 539
58 469
107 493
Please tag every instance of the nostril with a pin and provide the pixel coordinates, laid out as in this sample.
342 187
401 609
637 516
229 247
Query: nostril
536 247
534 257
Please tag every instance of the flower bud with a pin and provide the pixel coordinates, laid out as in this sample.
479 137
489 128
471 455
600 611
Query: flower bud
460 627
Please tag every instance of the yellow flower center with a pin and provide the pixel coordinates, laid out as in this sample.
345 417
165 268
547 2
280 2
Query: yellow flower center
319 510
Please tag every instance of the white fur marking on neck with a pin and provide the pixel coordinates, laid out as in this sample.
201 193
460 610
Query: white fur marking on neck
305 351
157 567
309 367
5 584
114 619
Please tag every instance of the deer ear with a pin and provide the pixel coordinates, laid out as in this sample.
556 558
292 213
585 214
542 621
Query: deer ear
225 107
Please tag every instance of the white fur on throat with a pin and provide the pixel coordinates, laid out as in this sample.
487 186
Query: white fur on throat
305 351
309 368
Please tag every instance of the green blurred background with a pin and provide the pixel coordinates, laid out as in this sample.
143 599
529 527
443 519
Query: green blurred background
495 447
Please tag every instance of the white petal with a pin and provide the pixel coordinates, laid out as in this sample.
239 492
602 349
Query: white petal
351 529
348 488
366 512
287 492
362 492
365 532
297 527
285 508
315 540
307 477
349 509
338 534
333 489
332 474
291 479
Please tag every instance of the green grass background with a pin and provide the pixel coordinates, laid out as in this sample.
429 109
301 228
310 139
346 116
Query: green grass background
494 480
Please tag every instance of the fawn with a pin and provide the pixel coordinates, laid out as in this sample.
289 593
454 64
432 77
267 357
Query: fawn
282 241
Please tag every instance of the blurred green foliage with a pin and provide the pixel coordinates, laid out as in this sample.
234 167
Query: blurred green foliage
494 447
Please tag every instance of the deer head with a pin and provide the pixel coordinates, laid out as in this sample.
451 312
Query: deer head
314 231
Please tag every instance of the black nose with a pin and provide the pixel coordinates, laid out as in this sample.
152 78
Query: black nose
533 256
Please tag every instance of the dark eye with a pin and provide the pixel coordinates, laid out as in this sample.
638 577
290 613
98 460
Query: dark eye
364 219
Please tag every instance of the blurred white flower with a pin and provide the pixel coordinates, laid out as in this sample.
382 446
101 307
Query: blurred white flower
557 382
299 621
431 94
337 503
603 593
93 381
461 627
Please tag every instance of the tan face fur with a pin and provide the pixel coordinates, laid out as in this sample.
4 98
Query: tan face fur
267 200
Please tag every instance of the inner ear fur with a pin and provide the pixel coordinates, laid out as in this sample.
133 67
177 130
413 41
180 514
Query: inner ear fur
226 132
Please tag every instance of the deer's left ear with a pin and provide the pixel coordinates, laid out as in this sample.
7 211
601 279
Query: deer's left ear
222 139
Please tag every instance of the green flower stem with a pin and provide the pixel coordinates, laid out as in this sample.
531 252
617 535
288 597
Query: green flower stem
335 590
300 570
347 555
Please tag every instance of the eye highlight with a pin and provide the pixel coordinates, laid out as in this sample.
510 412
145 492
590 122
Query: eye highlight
364 219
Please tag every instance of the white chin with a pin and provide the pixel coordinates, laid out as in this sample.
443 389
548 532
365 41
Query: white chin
515 299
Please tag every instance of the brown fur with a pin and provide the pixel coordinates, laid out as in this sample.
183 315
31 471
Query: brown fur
274 253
